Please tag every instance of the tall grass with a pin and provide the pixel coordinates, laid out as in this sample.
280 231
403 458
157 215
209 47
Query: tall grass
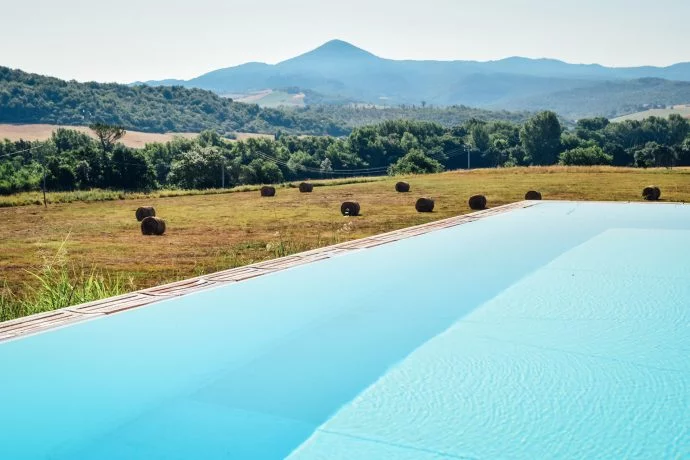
36 198
59 284
284 248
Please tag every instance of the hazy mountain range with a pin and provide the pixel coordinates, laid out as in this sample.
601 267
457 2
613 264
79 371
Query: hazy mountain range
339 72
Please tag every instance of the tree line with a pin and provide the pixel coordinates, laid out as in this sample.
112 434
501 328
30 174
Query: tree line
71 160
353 115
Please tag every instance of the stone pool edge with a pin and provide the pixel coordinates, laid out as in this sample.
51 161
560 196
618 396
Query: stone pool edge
62 317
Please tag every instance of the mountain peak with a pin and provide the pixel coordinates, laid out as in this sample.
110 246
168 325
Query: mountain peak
339 45
334 50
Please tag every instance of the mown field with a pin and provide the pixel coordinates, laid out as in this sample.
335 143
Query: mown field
134 139
682 110
212 232
42 132
272 98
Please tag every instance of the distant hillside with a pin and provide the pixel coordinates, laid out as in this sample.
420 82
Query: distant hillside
30 98
609 99
340 71
682 110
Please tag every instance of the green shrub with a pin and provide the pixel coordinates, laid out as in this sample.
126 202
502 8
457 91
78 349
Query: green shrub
585 156
415 162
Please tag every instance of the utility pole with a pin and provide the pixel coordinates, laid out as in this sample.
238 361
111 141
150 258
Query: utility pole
467 147
45 203
42 160
222 175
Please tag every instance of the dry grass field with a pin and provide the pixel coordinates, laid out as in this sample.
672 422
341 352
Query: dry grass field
39 132
272 98
207 233
245 136
682 110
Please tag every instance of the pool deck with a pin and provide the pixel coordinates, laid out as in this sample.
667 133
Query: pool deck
70 315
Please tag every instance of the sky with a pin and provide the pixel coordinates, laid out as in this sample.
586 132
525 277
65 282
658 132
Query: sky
137 40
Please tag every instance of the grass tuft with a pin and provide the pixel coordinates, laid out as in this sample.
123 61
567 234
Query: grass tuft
59 284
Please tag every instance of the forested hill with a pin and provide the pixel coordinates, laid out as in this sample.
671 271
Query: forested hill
608 99
31 98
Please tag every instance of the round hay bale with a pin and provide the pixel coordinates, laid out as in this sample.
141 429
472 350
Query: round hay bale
145 211
306 187
424 205
532 195
402 187
152 226
350 208
477 202
268 191
651 193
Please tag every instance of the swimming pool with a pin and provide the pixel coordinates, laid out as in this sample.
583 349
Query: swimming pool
560 330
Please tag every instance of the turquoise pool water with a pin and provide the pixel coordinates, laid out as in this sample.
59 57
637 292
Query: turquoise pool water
557 331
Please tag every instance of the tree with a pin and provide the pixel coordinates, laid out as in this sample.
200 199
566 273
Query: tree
210 138
131 170
270 173
644 156
367 144
415 162
683 152
585 156
592 124
107 134
665 156
299 162
653 154
60 176
621 156
679 128
69 139
570 141
326 166
199 168
541 138
498 153
83 174
655 129
408 142
260 171
480 138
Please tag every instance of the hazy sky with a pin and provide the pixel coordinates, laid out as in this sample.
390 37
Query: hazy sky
128 40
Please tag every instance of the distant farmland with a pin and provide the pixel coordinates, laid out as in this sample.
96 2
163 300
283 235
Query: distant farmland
40 132
134 139
271 98
682 110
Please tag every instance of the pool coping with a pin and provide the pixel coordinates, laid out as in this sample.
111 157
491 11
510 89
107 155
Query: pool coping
62 317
